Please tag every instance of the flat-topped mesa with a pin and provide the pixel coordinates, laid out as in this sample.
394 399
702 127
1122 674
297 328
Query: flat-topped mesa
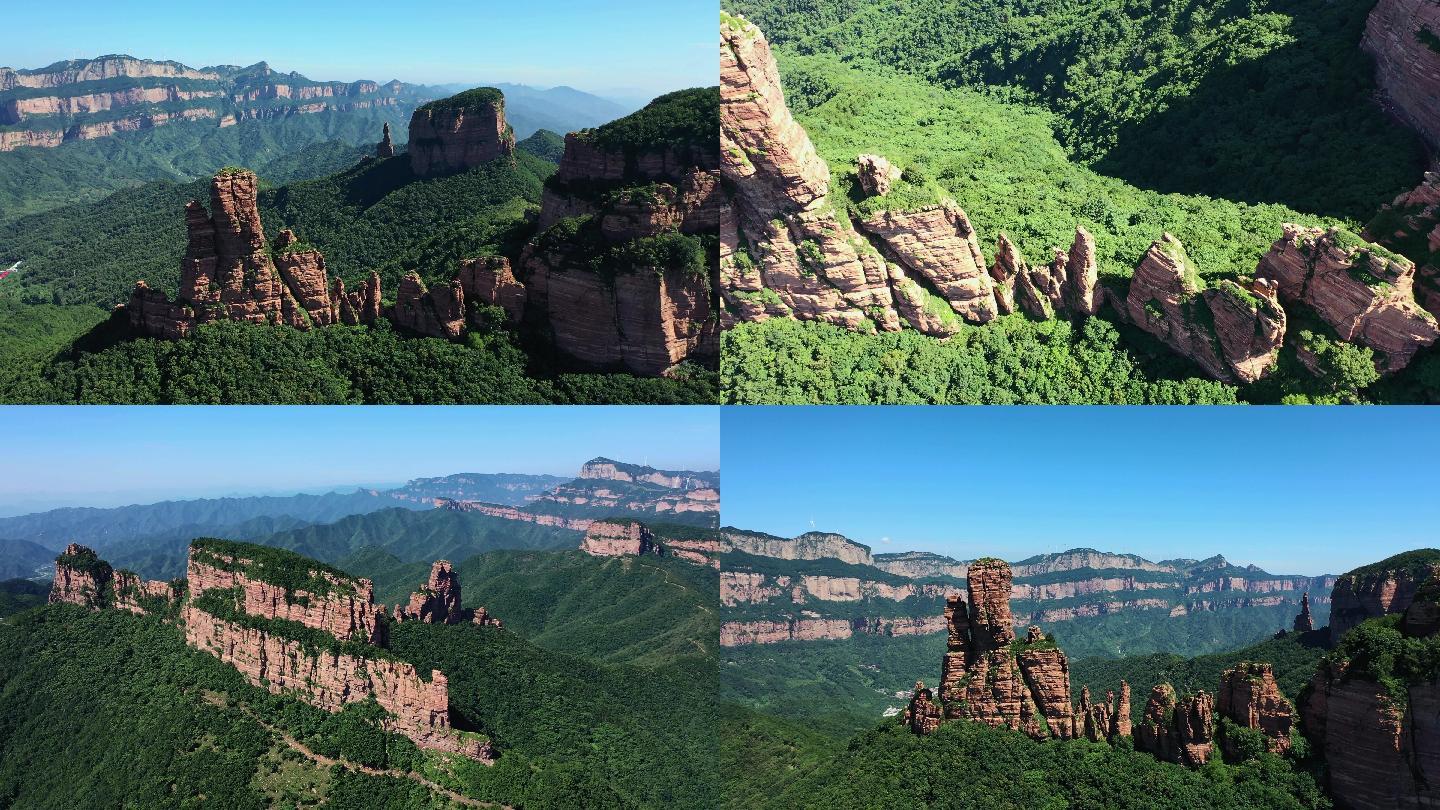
619 274
274 583
1304 622
418 708
1177 730
991 677
610 470
1250 698
1363 291
1404 38
386 147
1231 331
229 273
461 132
1379 589
619 538
82 578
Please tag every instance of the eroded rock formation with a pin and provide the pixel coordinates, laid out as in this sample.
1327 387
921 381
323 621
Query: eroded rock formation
1251 699
1304 623
489 280
613 538
876 174
435 312
1364 292
82 578
228 272
1410 225
386 147
1025 687
1177 730
923 715
439 601
1375 591
1233 332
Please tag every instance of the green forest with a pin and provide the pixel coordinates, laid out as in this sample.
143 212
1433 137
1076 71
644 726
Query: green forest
1130 119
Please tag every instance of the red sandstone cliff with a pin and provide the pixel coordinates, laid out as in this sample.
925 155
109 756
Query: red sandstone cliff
82 578
1402 36
1250 698
1177 730
439 601
607 538
1365 293
1357 597
459 133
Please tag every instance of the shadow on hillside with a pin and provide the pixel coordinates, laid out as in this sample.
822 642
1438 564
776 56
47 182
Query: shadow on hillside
1295 126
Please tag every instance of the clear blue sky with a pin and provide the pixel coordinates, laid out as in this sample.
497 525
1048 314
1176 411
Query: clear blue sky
1293 490
620 48
89 456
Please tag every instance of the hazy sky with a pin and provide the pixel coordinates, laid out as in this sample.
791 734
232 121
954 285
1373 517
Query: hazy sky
89 456
1293 490
625 48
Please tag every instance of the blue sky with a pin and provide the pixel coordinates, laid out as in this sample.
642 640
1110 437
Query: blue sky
627 49
1293 490
91 456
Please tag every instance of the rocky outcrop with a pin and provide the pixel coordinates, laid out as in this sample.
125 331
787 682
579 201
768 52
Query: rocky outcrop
1404 38
228 272
76 71
437 312
808 546
418 708
1233 332
1177 730
1410 225
386 147
439 602
512 513
1106 720
920 565
923 715
609 538
1304 623
459 133
740 634
335 603
1386 587
489 280
82 578
876 174
989 678
939 247
356 307
1069 285
1250 698
1361 290
604 469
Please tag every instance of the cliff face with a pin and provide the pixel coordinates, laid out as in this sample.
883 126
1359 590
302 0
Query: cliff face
439 602
459 133
1365 293
419 708
339 605
228 273
80 99
605 538
1024 687
82 578
1373 593
1410 225
1250 697
808 546
1404 38
919 564
621 273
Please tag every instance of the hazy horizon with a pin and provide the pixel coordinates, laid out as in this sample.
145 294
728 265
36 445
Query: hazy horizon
627 52
1298 492
64 456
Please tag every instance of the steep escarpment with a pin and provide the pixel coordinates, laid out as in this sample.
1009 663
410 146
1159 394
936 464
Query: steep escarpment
1371 707
1404 38
1379 589
295 627
90 99
459 133
622 271
631 538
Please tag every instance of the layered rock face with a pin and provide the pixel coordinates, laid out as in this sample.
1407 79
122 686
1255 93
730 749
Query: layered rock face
598 274
1232 332
1404 38
489 280
920 564
459 133
923 715
437 312
1107 720
339 605
604 469
1250 697
419 708
1358 597
1304 623
1177 730
512 513
985 679
228 272
1410 225
1365 294
356 307
606 538
82 578
808 546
